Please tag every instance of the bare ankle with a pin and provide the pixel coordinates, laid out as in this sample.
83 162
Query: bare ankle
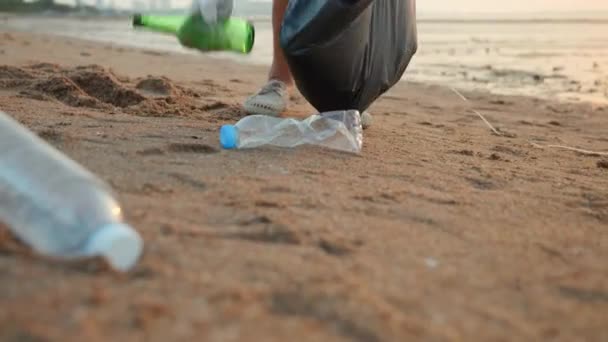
280 73
288 81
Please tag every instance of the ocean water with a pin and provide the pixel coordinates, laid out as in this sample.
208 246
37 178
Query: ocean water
563 58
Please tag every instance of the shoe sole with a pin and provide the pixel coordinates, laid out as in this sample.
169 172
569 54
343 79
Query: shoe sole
253 109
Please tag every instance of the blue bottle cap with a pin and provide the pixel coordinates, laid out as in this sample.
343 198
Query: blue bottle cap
229 137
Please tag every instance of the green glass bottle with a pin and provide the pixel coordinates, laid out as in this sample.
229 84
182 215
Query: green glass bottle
233 34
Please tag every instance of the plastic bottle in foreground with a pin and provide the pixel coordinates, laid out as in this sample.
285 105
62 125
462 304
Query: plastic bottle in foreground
232 34
339 130
56 206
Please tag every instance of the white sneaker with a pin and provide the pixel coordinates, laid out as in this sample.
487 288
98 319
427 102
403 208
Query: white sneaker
366 120
270 100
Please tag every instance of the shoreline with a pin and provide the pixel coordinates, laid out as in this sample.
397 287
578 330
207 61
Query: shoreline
484 64
227 62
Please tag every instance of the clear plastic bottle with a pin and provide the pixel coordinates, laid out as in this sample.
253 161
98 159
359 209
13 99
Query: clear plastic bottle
339 130
56 206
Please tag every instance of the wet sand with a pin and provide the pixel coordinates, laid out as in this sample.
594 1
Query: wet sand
438 231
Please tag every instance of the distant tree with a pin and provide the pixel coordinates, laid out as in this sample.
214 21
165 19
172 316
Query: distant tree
33 6
10 5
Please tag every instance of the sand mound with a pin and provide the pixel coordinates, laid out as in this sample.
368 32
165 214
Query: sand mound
10 72
159 107
83 86
106 88
64 90
45 68
13 77
96 87
157 86
164 98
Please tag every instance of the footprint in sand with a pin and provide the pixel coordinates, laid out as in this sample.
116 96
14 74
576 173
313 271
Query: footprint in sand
263 229
277 189
467 153
334 248
331 311
214 106
187 180
56 137
510 151
481 184
496 157
154 151
583 295
192 148
555 123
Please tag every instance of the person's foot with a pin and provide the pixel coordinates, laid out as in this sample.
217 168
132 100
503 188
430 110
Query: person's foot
269 100
366 120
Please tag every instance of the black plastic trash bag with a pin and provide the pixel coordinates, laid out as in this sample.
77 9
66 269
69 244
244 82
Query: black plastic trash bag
344 54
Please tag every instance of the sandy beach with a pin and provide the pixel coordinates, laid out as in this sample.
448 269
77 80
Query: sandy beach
438 231
553 59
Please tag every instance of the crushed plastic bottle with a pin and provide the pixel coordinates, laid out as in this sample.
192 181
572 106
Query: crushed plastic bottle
56 206
338 130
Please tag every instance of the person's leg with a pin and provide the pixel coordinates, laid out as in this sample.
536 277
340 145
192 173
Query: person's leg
272 98
280 69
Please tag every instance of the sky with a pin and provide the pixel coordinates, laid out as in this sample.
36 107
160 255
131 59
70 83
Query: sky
513 5
466 5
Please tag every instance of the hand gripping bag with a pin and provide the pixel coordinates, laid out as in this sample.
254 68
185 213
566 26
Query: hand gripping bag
344 54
